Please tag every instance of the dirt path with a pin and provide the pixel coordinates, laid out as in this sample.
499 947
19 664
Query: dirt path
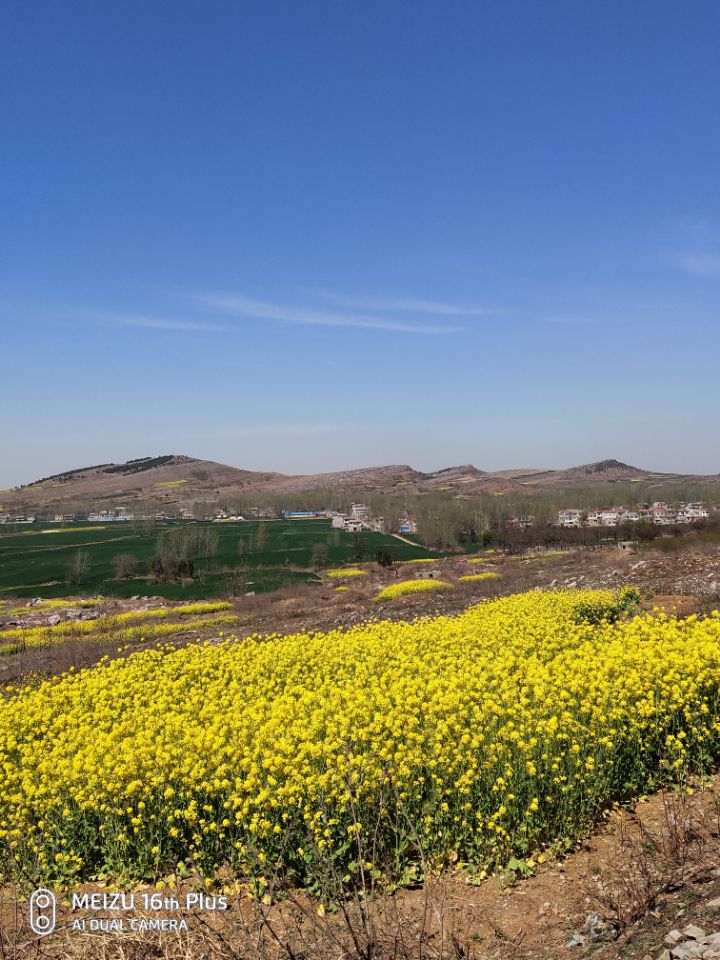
412 543
73 546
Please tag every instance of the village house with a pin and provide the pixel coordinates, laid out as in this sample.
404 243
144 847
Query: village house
569 518
107 516
407 525
692 513
658 512
522 522
349 524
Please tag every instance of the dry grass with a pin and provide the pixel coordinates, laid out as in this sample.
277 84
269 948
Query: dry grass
388 928
651 860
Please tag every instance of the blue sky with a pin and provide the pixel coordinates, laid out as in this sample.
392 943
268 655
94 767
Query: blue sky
313 236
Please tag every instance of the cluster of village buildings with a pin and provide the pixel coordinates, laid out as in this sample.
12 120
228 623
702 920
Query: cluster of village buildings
359 517
106 516
659 512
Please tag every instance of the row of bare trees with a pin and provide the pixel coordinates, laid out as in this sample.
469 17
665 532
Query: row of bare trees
180 548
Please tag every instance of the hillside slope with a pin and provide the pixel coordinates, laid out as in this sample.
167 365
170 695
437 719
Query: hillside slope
175 479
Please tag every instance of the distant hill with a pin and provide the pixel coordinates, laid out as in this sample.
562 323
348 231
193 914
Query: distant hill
182 480
170 478
602 470
372 479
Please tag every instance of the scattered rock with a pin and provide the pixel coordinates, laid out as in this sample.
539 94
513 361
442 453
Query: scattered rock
687 951
693 932
576 940
594 927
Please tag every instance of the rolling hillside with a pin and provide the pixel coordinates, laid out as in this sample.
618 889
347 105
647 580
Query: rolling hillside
178 479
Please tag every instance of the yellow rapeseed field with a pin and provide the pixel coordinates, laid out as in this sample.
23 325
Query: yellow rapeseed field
410 586
473 577
346 572
470 738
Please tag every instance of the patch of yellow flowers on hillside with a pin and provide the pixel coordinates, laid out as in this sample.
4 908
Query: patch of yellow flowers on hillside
346 572
421 585
59 604
472 738
116 626
473 577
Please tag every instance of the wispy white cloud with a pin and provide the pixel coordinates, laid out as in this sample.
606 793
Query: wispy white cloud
699 264
142 320
406 305
257 309
159 323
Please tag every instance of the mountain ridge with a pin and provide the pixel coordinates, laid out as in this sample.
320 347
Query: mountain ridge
181 479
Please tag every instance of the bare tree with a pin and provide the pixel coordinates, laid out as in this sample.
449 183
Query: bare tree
179 548
242 551
319 554
202 509
261 537
126 565
77 568
143 522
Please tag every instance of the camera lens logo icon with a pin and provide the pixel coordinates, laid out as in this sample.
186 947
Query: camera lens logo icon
42 912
